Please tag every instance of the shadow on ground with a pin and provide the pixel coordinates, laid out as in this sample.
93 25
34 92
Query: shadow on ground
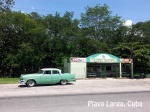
41 85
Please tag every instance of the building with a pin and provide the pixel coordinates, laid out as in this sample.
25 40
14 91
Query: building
101 65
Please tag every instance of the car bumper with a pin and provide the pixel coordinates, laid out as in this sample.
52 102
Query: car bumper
21 82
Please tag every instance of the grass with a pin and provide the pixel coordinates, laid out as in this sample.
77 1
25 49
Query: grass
148 75
138 75
9 80
15 80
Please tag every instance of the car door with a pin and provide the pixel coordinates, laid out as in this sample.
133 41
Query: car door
46 78
56 76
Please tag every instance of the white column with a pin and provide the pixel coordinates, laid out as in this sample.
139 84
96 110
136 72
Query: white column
120 70
132 69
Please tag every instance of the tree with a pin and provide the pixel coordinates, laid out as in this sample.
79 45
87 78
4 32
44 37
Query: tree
6 5
142 56
32 41
21 38
9 39
122 50
100 22
62 31
141 32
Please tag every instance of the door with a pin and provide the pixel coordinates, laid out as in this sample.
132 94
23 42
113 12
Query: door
46 78
103 71
56 76
117 71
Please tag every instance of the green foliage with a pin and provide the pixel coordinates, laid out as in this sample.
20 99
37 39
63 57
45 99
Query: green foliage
142 54
100 23
6 5
31 41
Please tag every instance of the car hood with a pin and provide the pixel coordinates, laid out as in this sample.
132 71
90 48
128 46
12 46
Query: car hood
31 75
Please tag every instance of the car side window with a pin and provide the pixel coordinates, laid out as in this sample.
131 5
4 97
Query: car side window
55 72
47 72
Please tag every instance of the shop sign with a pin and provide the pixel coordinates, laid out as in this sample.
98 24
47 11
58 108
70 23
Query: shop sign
78 59
103 58
126 60
113 60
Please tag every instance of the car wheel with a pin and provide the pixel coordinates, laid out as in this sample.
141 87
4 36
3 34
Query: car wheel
31 83
63 82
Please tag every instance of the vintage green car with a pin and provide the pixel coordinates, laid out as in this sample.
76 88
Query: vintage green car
46 76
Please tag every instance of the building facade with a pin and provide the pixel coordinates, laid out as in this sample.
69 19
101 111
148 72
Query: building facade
101 65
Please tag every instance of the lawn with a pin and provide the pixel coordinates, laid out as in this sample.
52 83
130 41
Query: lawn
15 80
148 75
9 80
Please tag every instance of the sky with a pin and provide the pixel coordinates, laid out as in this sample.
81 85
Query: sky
134 10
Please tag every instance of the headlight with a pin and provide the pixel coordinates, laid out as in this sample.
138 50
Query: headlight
21 78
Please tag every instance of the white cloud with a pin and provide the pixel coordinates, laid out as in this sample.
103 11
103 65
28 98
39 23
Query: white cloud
128 23
22 11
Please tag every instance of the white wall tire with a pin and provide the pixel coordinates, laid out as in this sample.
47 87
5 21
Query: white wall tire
63 82
31 83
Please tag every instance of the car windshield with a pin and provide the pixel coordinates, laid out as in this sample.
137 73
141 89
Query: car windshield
40 72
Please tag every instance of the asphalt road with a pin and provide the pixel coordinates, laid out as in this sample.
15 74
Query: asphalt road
78 87
98 102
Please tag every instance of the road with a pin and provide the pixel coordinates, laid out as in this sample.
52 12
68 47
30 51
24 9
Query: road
78 87
94 102
94 95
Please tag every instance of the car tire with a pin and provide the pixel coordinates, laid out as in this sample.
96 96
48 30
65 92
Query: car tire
31 83
63 82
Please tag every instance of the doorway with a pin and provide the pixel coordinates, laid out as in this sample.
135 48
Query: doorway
99 70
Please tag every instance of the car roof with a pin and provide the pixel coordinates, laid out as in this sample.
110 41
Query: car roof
50 69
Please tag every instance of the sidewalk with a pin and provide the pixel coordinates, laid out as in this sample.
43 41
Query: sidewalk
88 86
